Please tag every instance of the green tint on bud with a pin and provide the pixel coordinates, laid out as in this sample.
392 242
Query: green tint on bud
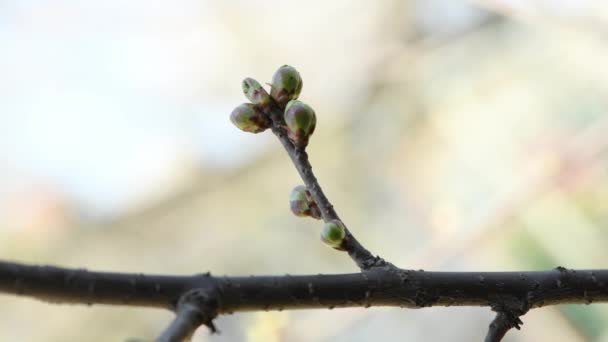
301 121
255 93
286 85
249 119
302 204
333 233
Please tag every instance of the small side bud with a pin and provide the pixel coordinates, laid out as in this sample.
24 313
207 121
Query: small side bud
333 233
302 204
301 121
248 118
255 93
286 85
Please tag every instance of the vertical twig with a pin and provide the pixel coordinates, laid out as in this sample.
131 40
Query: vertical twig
195 308
507 317
363 257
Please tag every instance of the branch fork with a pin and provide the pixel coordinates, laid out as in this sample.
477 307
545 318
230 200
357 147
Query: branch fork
508 315
195 308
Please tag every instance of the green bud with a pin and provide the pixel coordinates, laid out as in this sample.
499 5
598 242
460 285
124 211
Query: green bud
302 204
248 118
333 233
255 93
301 121
286 85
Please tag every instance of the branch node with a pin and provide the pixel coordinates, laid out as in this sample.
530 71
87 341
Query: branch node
207 304
195 308
377 262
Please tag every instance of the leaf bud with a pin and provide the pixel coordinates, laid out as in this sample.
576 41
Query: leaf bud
333 233
301 121
248 118
286 85
302 204
255 93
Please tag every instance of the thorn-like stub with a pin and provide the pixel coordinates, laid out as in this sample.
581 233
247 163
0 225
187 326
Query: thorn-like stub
247 117
286 85
255 93
302 204
301 121
333 233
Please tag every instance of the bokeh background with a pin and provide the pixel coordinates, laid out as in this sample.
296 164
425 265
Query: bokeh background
452 135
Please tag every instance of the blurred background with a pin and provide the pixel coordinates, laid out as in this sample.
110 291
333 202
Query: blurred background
451 135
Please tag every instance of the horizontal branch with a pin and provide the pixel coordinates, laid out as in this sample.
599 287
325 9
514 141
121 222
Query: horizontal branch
79 286
377 287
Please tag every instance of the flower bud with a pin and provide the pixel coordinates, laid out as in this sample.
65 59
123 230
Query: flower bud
302 204
249 119
333 233
255 93
301 121
286 85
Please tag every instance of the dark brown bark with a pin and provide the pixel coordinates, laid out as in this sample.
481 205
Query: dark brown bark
377 287
364 258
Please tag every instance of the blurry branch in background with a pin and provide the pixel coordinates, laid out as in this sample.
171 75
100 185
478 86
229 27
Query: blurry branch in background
198 299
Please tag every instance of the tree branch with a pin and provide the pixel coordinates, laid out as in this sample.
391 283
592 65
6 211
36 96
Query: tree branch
199 298
364 258
79 286
376 287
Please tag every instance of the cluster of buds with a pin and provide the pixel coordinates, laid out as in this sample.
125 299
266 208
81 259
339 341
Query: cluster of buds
251 117
302 204
299 119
